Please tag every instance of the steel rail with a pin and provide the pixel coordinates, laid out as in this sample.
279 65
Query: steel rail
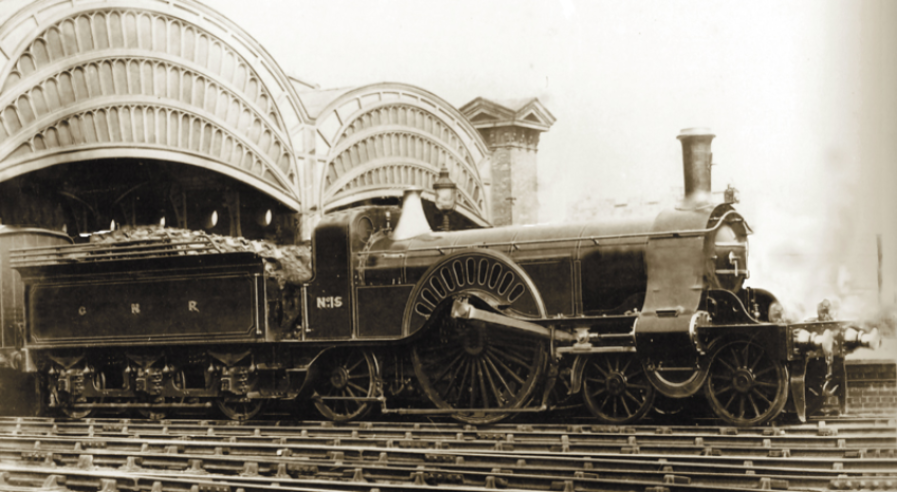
417 481
819 458
847 429
827 443
523 473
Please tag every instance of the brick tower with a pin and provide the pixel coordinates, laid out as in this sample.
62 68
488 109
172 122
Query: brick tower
511 129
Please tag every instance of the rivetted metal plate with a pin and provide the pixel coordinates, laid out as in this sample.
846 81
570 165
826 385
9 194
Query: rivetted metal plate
153 310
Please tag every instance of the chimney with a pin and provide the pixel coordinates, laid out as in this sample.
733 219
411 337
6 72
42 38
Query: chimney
413 221
696 160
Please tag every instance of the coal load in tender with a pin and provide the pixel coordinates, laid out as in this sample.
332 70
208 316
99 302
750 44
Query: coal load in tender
289 264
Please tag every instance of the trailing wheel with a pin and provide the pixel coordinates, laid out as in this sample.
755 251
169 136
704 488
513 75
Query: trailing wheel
347 374
747 385
616 389
468 364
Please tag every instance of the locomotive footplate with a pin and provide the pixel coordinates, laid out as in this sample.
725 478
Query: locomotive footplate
118 405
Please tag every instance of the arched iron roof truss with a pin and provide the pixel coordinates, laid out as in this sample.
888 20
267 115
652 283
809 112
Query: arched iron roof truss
173 81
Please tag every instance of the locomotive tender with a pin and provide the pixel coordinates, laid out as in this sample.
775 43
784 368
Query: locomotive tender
480 324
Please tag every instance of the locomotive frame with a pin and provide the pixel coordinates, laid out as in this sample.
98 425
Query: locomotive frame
480 324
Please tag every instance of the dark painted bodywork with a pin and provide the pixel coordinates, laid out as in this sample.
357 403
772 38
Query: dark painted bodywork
181 299
607 273
12 289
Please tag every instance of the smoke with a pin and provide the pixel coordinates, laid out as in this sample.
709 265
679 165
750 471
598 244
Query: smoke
818 243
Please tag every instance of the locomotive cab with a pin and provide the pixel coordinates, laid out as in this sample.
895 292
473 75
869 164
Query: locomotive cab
338 307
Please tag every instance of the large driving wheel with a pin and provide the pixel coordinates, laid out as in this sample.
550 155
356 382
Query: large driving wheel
466 364
616 389
346 374
747 385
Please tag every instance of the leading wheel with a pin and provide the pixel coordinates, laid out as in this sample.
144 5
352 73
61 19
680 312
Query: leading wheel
747 385
347 374
616 389
465 364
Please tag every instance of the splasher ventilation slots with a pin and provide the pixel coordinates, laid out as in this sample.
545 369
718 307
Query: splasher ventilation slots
696 161
413 222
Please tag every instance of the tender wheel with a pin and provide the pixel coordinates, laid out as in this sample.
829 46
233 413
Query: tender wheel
347 374
747 386
99 382
237 407
178 380
616 389
464 364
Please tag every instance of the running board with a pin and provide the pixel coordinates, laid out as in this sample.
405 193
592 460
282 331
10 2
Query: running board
360 399
451 411
143 405
463 310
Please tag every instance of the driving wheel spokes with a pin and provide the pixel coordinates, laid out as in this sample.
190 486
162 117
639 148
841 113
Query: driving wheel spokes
346 376
747 385
616 389
464 364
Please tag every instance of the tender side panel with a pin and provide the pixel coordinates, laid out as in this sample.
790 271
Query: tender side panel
12 302
167 309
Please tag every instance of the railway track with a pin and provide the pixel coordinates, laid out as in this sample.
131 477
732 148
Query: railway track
811 440
207 455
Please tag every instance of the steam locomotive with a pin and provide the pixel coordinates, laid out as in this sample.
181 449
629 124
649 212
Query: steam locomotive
476 324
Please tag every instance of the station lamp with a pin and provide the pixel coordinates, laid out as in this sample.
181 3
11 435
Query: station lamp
264 217
446 195
211 220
